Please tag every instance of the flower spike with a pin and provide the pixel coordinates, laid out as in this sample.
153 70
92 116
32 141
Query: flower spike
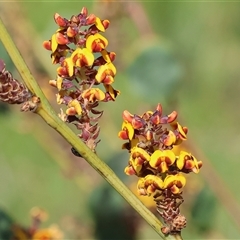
151 139
83 62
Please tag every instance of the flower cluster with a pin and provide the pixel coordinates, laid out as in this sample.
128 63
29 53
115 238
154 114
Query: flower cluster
151 138
34 231
84 63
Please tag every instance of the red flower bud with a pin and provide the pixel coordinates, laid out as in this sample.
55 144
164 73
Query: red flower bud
127 116
172 117
112 56
105 23
47 45
61 39
155 118
137 122
60 21
72 32
91 19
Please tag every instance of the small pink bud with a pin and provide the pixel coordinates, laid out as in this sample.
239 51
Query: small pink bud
85 134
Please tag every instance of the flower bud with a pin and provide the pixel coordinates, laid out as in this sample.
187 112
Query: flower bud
137 122
47 45
127 116
60 21
72 31
61 39
172 117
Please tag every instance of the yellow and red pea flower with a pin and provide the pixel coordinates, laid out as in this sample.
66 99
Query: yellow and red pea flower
162 159
108 57
96 43
106 74
170 139
127 131
149 184
99 24
186 162
82 57
93 94
111 93
181 130
174 182
74 106
137 160
67 68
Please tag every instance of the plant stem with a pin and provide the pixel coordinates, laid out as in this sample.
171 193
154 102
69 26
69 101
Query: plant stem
50 117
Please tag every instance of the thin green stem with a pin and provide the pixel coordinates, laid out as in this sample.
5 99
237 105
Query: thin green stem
49 115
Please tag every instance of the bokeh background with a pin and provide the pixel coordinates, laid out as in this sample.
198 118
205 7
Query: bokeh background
182 54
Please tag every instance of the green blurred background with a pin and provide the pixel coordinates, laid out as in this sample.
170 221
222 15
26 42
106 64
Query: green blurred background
182 54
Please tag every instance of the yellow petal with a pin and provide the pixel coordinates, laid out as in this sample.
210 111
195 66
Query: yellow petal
82 57
112 92
179 180
129 128
75 103
59 83
155 180
98 39
54 43
99 25
136 151
180 160
105 56
159 156
68 63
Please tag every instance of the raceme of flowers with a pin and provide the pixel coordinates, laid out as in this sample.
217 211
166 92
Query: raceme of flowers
151 138
85 73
